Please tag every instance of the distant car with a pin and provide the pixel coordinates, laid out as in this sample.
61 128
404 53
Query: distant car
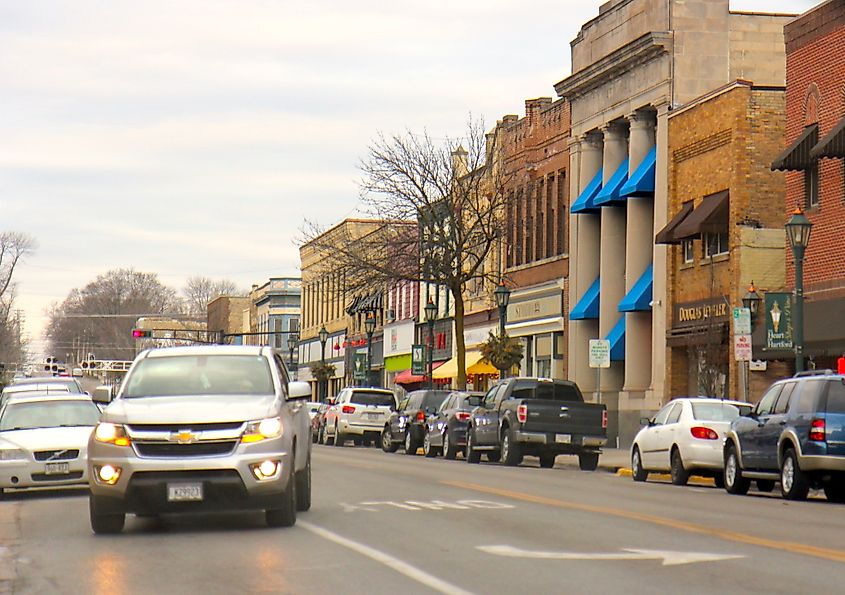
39 388
685 438
44 440
358 414
73 384
406 426
446 430
77 373
313 408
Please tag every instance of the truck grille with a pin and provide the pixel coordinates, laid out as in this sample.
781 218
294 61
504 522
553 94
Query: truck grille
196 449
56 455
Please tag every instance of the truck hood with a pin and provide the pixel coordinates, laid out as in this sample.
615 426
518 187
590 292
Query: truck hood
191 409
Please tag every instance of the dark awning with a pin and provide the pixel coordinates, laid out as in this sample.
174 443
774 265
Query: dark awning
667 234
797 156
711 216
833 143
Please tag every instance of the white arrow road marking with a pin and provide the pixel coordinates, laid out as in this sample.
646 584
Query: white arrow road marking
669 558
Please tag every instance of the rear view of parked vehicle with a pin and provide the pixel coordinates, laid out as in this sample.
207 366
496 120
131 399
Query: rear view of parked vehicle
358 414
685 438
446 430
406 426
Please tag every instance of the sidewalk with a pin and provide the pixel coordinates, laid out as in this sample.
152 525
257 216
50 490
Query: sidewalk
614 459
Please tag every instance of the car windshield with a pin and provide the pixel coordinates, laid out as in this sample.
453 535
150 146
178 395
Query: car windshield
718 411
187 375
372 397
49 414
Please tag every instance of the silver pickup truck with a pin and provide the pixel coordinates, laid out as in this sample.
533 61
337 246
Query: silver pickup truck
201 428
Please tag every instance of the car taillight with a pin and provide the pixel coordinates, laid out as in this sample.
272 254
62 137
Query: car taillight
348 409
604 419
703 433
420 416
818 430
462 415
522 413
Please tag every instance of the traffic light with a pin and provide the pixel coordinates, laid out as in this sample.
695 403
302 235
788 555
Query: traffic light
140 333
48 364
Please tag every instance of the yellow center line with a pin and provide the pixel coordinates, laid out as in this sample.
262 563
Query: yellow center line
794 548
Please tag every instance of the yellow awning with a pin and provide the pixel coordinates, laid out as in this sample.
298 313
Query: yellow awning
474 365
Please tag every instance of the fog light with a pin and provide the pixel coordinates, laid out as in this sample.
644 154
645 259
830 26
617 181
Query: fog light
108 474
265 470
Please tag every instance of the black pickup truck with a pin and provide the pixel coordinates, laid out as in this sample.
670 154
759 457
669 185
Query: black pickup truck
540 417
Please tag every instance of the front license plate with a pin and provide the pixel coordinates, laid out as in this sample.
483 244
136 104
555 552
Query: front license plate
184 492
57 469
563 438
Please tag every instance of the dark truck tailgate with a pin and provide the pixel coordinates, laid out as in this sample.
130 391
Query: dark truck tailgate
564 417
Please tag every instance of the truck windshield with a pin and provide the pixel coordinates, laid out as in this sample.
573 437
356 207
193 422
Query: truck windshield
200 375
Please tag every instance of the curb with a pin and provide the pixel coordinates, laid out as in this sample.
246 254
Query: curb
694 480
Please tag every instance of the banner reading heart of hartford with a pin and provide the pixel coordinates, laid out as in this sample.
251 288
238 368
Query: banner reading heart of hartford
778 320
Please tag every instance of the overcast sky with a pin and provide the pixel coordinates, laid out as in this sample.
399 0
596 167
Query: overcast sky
192 137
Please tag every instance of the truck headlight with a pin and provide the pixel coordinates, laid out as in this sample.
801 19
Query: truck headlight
111 434
262 429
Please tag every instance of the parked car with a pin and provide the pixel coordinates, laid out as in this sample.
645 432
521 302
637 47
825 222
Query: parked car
406 426
358 414
44 439
446 430
318 422
202 428
685 438
313 408
795 435
540 417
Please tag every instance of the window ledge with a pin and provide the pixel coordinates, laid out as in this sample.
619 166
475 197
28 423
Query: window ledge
687 265
716 258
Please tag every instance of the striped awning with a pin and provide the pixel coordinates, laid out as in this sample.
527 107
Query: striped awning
833 143
797 156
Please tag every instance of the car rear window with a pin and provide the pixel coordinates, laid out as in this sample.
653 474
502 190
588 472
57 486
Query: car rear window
836 397
187 375
371 397
718 411
433 400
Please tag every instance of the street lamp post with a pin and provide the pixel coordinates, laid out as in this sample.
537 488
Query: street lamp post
430 316
751 300
798 230
293 341
324 336
370 327
503 296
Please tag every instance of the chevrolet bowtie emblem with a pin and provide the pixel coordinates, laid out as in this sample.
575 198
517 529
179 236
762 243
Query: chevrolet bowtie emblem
183 437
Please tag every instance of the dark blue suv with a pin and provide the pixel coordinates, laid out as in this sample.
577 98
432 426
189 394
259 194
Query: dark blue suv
795 435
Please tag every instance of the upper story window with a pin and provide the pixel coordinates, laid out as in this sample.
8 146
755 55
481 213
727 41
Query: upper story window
687 251
715 243
811 185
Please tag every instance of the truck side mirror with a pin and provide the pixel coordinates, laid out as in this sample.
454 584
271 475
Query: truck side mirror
102 394
298 391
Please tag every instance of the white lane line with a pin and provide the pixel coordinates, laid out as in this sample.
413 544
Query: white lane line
396 564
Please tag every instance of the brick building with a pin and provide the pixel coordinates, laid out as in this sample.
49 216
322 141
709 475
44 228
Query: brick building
726 231
229 315
814 162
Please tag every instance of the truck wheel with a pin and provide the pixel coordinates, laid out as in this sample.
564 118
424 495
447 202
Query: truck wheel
473 456
680 476
547 461
637 471
735 483
387 444
102 523
794 484
303 487
450 451
286 515
588 461
511 449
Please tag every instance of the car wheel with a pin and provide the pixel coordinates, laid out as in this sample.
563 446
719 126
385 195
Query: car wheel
680 476
449 450
303 487
735 483
410 443
511 450
387 444
765 485
547 461
793 482
338 437
834 490
588 461
104 523
637 471
429 450
285 516
473 456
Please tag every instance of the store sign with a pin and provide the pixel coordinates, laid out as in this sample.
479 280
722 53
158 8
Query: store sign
542 307
701 312
418 360
778 311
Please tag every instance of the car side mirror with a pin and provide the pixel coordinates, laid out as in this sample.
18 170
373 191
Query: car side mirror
298 391
102 394
645 421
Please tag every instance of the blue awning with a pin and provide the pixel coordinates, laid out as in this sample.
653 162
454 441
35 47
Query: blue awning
641 182
610 194
587 307
639 298
584 203
616 336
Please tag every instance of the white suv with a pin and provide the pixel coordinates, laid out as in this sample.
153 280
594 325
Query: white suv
359 414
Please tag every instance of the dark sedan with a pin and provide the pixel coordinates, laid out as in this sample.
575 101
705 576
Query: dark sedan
447 429
406 426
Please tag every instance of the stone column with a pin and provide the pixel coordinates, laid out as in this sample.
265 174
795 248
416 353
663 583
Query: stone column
612 259
584 245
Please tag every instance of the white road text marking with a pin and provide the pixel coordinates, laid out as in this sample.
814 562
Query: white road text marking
669 558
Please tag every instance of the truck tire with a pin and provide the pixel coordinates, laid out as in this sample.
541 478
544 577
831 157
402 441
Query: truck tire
588 461
547 460
473 456
104 523
285 515
735 483
511 449
303 487
794 484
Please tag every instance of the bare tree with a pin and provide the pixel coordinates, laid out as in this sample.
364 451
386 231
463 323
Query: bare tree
15 246
199 291
441 208
99 317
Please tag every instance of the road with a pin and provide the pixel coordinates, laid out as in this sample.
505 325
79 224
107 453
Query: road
390 523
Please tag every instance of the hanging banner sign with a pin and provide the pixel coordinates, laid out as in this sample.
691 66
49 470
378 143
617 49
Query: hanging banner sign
778 313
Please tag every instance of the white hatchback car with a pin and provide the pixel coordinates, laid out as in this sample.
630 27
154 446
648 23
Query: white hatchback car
685 437
358 414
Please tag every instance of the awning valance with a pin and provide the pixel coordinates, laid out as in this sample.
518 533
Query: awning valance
667 234
584 203
797 156
641 182
474 366
610 192
639 298
406 377
711 216
616 336
832 144
587 307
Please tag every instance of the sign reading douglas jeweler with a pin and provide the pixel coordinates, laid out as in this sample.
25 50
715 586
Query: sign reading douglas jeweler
778 321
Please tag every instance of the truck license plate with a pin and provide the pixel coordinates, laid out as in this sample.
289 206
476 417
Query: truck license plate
563 438
57 469
184 492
